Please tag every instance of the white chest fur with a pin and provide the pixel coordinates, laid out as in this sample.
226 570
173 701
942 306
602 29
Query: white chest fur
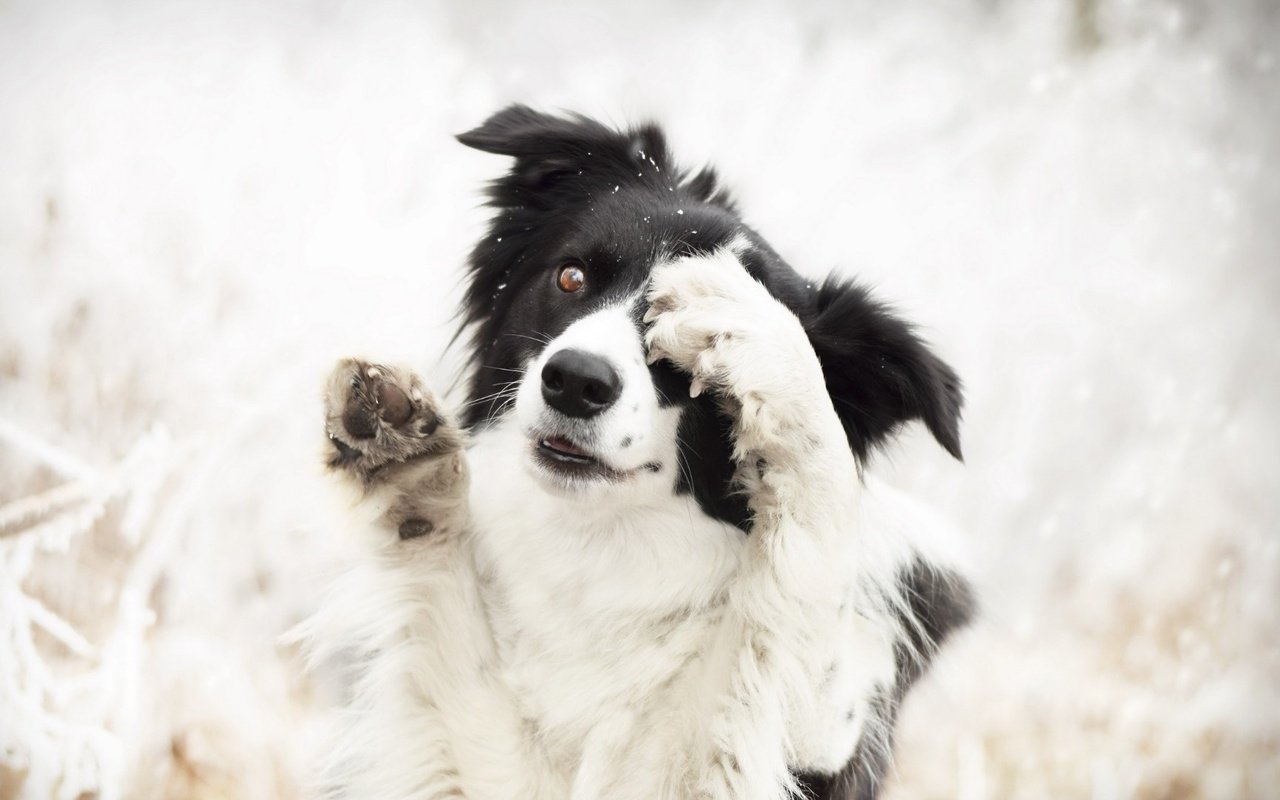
595 606
592 605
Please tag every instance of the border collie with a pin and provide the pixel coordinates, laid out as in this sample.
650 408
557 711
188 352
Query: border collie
643 560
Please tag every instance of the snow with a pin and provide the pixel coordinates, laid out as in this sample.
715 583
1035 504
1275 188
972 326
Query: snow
203 205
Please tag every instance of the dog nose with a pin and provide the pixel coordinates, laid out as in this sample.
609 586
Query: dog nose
578 384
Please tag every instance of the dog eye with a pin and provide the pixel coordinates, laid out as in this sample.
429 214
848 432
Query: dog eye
571 277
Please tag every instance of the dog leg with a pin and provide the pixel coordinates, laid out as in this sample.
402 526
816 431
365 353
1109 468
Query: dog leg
712 320
400 456
431 719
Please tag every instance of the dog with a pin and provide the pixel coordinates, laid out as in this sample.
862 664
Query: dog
643 560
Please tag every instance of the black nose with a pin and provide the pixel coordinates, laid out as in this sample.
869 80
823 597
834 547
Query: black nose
578 384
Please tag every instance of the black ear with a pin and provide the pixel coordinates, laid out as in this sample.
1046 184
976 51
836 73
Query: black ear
518 130
566 155
878 372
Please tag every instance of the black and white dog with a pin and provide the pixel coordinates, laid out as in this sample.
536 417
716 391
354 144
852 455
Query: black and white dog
643 561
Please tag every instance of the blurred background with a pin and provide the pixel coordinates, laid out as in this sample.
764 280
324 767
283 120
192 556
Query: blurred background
202 204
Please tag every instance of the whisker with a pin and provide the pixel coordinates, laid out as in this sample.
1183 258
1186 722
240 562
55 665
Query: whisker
508 384
499 405
502 409
683 466
507 398
506 388
488 397
502 369
545 338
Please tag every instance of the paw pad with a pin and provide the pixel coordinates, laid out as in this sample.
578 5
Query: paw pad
415 528
393 404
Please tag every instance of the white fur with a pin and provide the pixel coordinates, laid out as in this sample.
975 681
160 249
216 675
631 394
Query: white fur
586 641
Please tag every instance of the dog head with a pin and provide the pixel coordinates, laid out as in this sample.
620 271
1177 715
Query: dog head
554 305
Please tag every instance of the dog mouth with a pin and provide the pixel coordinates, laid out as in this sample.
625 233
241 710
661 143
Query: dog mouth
565 451
567 459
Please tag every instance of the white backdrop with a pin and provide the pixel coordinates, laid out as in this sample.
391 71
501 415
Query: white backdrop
203 204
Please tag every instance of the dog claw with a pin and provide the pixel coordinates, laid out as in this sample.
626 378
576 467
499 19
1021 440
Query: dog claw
696 387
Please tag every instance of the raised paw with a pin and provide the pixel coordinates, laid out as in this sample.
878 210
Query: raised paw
377 415
711 319
736 341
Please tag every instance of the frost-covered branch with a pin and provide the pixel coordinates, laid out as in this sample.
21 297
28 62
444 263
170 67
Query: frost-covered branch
59 698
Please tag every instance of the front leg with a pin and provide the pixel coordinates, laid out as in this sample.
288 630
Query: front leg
712 320
405 604
429 715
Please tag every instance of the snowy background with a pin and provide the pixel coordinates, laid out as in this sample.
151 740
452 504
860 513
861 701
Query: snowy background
202 204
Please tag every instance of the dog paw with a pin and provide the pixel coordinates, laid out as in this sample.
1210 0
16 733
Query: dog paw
711 319
378 415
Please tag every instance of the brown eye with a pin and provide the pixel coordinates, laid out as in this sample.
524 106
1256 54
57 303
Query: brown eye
571 278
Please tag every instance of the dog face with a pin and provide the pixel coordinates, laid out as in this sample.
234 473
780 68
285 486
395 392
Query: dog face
554 306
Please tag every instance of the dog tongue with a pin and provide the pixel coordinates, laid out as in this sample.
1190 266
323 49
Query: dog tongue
566 446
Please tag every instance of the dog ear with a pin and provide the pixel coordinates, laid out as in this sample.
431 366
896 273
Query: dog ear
878 372
518 130
562 158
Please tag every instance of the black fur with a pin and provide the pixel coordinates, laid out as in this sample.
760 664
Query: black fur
879 374
939 603
615 201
